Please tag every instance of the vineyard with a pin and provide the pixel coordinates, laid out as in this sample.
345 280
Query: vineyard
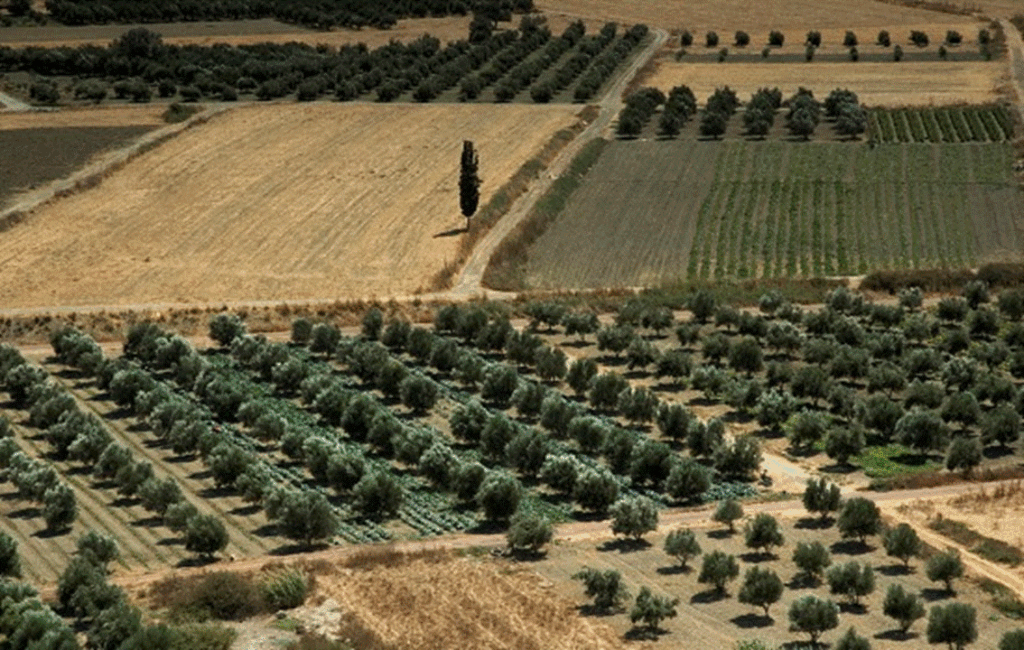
948 124
707 210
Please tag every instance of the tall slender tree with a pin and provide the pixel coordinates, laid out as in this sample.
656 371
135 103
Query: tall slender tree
469 182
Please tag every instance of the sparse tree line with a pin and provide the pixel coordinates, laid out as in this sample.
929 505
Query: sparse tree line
318 14
813 41
139 66
856 518
803 116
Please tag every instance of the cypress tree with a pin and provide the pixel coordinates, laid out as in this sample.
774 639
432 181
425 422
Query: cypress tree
469 182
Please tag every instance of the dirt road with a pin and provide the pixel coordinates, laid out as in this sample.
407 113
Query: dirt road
1015 58
468 284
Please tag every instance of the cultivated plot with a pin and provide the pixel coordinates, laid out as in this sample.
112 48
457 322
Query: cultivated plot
660 211
275 202
923 83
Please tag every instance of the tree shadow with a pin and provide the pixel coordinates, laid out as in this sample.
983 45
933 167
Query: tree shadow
931 594
149 522
838 468
266 530
196 561
708 596
721 533
755 557
48 533
896 635
125 502
292 549
895 570
214 492
813 523
625 545
996 451
852 608
246 511
675 569
171 541
850 547
28 512
201 475
644 633
748 621
528 555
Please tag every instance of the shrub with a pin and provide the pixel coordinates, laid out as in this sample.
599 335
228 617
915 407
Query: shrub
223 595
812 558
902 542
954 624
727 512
903 606
682 544
945 567
761 588
529 531
763 533
284 588
859 518
852 579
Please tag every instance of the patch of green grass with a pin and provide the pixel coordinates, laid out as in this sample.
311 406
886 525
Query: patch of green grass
287 624
892 460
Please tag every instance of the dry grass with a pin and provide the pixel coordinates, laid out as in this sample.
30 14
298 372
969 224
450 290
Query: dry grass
277 202
876 84
728 16
147 115
448 602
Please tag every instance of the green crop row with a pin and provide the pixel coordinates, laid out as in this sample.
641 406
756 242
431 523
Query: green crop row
941 125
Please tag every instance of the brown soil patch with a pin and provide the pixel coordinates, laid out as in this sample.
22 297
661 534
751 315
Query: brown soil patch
876 84
994 512
274 202
729 15
47 154
149 115
451 602
247 32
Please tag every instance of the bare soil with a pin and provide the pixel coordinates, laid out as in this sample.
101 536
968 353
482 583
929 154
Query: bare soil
727 16
50 153
923 83
275 202
148 115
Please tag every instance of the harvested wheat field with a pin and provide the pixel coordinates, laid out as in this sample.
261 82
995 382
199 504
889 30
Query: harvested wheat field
877 84
103 116
731 15
276 202
443 602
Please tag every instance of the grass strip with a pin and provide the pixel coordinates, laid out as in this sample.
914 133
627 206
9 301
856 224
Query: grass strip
506 270
981 545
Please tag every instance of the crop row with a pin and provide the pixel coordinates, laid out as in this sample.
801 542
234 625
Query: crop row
941 125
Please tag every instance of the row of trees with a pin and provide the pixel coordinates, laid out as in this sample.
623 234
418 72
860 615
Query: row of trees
320 14
813 38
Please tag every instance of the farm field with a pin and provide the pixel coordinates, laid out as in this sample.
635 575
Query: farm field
730 15
779 209
461 602
322 204
48 154
91 117
713 623
923 83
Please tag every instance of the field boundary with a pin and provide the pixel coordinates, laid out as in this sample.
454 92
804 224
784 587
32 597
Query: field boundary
92 175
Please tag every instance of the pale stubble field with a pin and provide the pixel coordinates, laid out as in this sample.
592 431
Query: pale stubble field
274 202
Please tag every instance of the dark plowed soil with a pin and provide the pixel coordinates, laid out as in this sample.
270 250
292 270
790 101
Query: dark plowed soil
36 156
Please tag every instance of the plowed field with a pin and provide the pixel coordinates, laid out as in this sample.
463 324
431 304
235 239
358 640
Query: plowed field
274 202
